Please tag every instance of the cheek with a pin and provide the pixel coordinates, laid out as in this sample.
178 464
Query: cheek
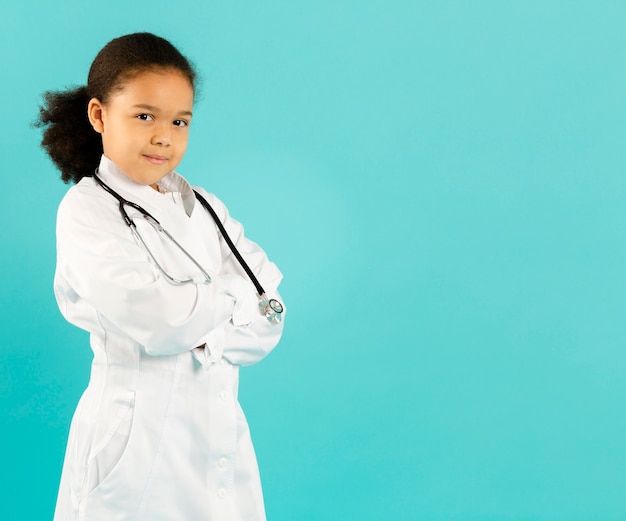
182 144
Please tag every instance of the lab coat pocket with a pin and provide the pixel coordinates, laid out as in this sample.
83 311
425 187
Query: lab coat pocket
109 452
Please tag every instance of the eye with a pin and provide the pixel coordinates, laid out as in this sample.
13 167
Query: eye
181 123
145 117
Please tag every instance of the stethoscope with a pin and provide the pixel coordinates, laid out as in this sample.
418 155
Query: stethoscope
272 309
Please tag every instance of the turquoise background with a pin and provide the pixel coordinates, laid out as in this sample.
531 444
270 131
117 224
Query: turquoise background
442 184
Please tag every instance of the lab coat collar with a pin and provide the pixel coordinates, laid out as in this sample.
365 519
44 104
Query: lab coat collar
110 173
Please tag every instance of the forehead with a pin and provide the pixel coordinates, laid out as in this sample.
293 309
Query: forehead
165 89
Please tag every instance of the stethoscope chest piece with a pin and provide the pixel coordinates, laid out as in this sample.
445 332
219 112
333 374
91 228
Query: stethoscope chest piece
272 309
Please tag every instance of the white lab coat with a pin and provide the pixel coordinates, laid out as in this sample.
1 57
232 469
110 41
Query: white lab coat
158 435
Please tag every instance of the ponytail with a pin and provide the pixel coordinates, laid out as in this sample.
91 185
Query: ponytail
68 137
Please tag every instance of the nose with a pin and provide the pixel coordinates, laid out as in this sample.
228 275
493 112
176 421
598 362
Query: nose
162 136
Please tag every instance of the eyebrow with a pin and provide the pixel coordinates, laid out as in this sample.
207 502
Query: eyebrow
155 109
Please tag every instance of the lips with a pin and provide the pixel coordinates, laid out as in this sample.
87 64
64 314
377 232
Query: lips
155 159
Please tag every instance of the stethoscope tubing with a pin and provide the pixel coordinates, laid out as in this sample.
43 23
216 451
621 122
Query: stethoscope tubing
230 243
122 202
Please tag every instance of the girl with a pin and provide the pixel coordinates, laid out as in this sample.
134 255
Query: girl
144 267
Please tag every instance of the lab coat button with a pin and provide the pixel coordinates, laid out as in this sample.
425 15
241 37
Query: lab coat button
222 462
223 395
221 493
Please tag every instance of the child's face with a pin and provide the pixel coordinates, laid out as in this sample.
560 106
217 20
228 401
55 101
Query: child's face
145 126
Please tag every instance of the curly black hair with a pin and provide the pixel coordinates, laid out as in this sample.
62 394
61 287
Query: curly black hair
68 137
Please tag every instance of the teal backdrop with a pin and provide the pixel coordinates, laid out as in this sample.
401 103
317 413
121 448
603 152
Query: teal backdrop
442 184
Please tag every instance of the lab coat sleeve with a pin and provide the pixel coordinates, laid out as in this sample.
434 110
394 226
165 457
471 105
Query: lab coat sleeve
248 337
99 265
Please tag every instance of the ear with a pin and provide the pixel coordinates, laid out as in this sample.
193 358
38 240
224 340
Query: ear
95 111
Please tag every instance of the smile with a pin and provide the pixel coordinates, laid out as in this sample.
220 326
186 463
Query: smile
155 160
